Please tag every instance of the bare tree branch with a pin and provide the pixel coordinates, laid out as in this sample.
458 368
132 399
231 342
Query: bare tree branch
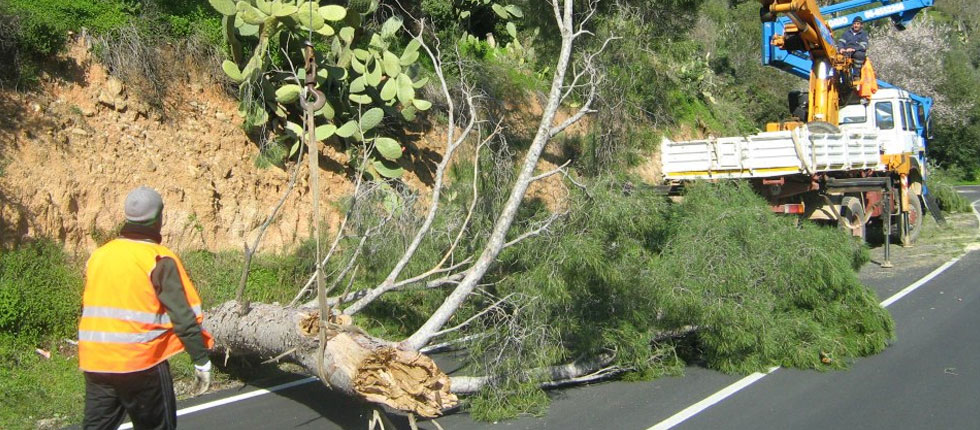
452 144
537 231
472 318
475 197
599 375
434 271
559 169
593 87
445 346
250 252
340 235
497 238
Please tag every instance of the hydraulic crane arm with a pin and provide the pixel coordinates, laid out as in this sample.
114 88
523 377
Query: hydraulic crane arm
808 32
807 25
799 62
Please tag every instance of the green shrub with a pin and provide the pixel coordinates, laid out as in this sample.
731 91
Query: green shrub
31 32
40 292
45 23
946 196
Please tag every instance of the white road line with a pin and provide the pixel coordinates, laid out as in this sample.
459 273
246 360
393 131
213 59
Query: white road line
905 291
232 399
730 390
711 400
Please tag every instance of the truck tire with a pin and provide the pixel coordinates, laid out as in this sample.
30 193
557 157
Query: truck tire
915 221
822 127
852 217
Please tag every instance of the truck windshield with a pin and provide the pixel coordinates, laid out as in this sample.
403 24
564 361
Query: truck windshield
884 117
853 114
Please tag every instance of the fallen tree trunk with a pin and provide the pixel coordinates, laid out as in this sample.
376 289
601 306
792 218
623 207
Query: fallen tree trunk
369 368
354 362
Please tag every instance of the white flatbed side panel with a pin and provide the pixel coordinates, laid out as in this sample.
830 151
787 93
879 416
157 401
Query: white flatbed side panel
770 154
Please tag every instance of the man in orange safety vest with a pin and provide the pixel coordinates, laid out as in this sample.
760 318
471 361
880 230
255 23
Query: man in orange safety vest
139 308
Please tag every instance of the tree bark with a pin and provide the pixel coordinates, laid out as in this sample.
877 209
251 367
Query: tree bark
355 363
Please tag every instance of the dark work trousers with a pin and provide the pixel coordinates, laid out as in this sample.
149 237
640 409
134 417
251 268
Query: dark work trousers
147 396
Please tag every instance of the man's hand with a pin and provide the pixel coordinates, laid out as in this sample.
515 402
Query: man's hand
202 378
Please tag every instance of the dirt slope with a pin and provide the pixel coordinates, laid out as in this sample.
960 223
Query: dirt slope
72 151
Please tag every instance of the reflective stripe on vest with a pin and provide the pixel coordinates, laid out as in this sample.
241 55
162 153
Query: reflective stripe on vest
110 337
130 315
124 327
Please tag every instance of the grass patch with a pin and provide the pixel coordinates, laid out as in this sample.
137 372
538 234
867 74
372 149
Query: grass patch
40 292
33 388
272 278
40 298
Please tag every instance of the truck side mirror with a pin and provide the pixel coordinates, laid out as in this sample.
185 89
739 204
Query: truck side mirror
928 130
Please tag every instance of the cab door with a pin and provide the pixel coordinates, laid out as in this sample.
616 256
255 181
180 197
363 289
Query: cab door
887 117
909 135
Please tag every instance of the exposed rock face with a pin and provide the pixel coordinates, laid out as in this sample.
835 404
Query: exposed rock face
70 153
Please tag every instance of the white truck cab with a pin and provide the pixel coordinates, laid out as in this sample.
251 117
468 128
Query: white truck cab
893 116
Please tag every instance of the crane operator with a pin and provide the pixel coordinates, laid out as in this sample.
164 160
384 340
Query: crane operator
854 42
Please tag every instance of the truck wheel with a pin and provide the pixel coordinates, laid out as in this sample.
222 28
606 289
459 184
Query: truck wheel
914 227
822 127
852 217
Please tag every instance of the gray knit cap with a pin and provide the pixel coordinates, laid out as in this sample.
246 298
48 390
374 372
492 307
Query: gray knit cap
143 205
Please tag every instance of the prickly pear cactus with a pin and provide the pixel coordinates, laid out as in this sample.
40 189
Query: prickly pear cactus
366 79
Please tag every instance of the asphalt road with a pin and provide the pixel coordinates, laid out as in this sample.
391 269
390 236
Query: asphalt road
928 378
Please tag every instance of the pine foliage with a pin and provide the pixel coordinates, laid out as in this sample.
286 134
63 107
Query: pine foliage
753 290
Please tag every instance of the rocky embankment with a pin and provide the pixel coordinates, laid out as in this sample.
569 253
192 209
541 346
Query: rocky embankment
71 151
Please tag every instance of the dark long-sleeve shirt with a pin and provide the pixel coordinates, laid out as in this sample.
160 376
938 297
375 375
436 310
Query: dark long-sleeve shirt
170 290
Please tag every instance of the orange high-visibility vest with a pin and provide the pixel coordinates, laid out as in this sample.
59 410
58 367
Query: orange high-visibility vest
869 82
124 327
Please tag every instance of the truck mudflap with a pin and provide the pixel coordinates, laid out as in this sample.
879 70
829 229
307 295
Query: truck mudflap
769 154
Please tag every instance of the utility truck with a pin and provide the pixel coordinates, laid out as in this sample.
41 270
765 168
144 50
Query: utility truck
851 157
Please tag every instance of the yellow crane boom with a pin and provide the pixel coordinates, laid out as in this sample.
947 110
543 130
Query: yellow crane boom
809 32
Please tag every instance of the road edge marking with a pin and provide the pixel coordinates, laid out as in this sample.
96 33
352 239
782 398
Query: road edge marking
922 281
933 274
730 390
711 400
